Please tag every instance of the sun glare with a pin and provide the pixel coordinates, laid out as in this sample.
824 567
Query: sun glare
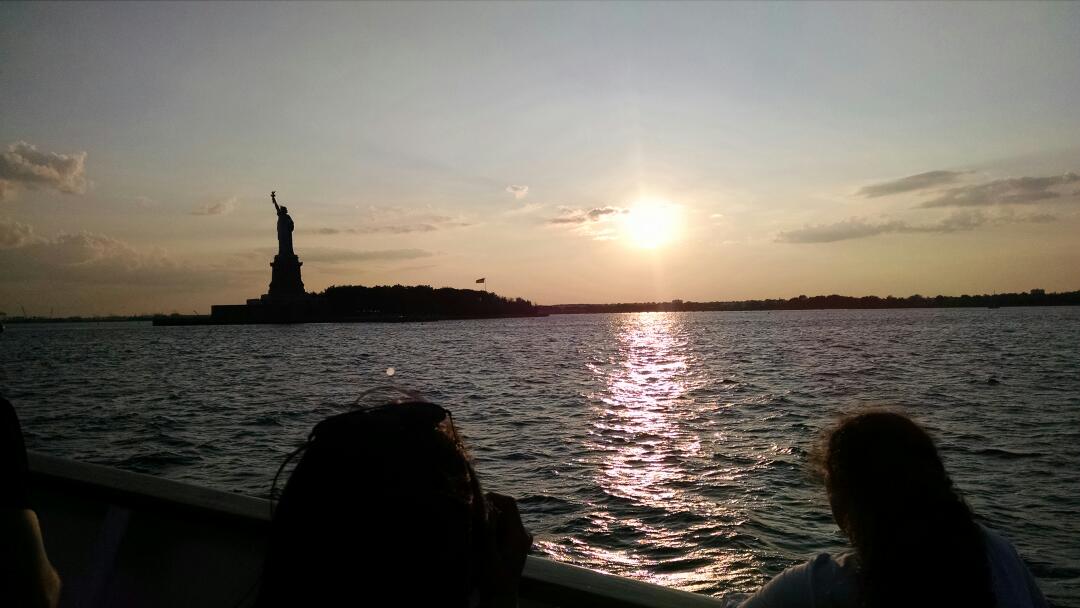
650 224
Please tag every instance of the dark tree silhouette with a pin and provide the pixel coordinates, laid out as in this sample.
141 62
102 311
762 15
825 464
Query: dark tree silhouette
421 301
1035 297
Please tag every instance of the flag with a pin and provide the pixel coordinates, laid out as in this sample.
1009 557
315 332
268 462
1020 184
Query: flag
481 280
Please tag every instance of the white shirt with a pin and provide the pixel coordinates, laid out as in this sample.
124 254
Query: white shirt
824 582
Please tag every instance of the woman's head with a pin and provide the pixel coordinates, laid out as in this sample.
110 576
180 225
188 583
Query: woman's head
381 499
892 497
880 462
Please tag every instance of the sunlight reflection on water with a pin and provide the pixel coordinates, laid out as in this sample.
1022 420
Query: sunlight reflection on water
644 425
638 426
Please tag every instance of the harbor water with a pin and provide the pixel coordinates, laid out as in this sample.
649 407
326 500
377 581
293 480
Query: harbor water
668 447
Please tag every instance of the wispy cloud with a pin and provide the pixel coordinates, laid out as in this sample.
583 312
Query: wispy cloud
22 165
596 223
526 209
328 255
395 220
1008 191
390 229
857 228
911 183
519 192
220 207
423 222
583 216
852 228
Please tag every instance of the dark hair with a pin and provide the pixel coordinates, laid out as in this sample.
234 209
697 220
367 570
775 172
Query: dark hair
916 540
382 502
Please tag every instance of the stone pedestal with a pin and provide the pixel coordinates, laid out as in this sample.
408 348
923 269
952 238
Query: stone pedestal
285 281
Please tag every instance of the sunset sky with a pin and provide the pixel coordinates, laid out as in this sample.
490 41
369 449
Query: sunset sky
597 152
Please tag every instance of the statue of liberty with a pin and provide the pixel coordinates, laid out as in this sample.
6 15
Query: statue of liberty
284 228
286 276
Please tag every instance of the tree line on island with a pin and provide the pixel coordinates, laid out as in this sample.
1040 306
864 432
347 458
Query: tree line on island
1035 297
423 302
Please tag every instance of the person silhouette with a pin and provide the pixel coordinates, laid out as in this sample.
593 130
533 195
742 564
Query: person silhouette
915 540
26 576
384 507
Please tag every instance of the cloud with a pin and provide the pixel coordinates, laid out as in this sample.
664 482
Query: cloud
525 209
595 223
857 228
853 228
583 216
388 220
144 202
221 207
326 255
87 258
390 229
14 234
1008 191
23 165
519 192
921 181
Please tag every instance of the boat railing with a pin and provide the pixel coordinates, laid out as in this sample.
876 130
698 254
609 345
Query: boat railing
120 538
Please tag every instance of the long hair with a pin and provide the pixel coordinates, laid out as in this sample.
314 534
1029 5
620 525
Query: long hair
915 537
382 507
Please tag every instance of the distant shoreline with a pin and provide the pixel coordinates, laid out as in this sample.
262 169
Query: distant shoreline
1035 297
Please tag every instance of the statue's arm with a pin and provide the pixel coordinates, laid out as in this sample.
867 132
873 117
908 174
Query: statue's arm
273 197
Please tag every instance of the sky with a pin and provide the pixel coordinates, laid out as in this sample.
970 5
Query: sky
568 153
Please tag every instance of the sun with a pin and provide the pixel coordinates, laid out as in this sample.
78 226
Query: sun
651 223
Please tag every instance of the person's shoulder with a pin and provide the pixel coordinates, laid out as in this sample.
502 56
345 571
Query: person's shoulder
820 581
1012 581
789 588
998 547
835 579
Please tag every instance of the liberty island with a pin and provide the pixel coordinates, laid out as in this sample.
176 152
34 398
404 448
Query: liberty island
287 301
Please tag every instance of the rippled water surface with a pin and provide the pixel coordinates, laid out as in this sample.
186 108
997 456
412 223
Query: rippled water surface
669 447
